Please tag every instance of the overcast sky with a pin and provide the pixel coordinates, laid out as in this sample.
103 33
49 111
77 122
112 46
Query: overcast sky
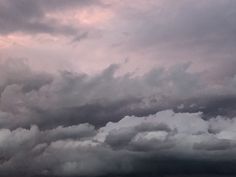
125 88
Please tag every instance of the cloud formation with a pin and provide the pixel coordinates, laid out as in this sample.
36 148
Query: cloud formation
168 110
31 17
67 98
74 124
162 143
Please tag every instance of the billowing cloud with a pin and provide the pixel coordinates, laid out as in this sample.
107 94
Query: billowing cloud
74 124
150 92
67 98
162 143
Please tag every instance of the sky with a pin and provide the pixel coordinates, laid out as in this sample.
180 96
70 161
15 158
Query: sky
117 88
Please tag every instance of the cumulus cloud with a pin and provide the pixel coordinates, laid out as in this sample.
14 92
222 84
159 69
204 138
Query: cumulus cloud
171 120
162 143
67 98
74 124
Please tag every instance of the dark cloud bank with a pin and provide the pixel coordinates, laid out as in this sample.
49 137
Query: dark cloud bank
165 122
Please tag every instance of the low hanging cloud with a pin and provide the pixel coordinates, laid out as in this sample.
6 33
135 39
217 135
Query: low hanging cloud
174 121
67 98
162 143
166 121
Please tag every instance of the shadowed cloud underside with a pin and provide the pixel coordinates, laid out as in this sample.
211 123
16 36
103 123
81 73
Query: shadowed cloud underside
105 88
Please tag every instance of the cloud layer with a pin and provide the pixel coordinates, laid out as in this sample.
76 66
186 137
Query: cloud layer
33 17
162 143
67 98
71 124
167 108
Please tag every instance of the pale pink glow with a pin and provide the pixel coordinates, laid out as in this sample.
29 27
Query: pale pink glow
89 17
14 39
19 39
113 33
93 16
52 52
4 43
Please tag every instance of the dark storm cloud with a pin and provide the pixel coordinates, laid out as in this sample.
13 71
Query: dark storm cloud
170 121
74 124
29 16
157 144
216 145
67 98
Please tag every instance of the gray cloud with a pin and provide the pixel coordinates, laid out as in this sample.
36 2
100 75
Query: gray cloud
74 124
81 150
202 32
215 145
202 22
29 16
167 121
67 98
208 24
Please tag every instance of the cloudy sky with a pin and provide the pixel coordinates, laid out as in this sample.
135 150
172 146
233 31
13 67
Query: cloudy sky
117 88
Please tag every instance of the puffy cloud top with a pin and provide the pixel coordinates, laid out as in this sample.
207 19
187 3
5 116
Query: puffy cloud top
121 148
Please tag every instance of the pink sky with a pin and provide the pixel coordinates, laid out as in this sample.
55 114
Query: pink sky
139 36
